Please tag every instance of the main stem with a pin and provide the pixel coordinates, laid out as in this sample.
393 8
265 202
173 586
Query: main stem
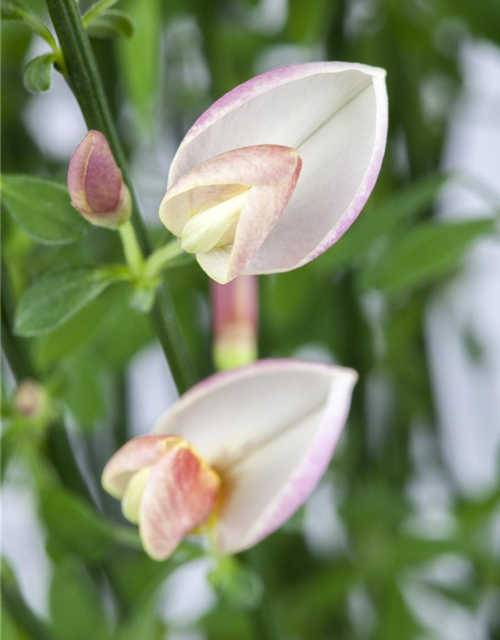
85 81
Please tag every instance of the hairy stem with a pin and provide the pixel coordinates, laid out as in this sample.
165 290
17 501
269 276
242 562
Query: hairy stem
85 81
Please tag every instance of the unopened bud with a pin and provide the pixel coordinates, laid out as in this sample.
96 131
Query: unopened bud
96 184
235 311
29 399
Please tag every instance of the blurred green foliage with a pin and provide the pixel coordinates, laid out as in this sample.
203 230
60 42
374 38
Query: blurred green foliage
167 63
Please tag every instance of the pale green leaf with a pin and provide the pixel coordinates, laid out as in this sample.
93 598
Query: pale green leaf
43 209
36 76
75 526
54 298
76 609
424 254
380 220
112 24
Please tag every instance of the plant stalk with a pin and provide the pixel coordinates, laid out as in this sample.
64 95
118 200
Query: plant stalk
85 82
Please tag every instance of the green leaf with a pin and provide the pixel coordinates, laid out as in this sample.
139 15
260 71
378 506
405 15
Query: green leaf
36 76
143 624
423 255
112 24
13 10
101 6
85 393
239 585
107 330
76 527
23 623
56 297
74 335
42 208
76 609
380 220
124 333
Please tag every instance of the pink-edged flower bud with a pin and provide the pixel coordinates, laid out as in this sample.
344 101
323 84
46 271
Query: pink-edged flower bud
235 312
96 184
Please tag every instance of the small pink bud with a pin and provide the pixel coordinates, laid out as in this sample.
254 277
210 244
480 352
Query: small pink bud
235 318
96 183
28 398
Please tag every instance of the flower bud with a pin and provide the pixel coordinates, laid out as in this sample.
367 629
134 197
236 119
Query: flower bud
31 402
235 313
96 184
28 398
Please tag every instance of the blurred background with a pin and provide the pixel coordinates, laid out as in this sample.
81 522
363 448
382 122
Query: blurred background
401 540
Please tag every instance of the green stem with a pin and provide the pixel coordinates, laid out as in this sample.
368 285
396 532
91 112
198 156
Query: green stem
131 248
85 82
160 258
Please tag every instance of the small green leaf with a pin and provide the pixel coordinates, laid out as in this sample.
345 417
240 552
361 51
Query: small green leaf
36 76
76 527
42 208
74 335
101 6
15 10
76 610
428 252
238 584
12 10
112 24
56 297
85 392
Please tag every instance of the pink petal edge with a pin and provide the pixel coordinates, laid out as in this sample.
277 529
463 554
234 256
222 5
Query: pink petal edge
265 82
139 452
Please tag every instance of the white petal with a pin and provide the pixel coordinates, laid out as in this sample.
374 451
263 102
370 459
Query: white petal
335 116
269 430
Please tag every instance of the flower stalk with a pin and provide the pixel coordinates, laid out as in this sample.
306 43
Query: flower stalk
131 249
